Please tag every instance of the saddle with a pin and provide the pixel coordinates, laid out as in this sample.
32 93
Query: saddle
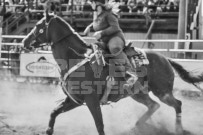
136 55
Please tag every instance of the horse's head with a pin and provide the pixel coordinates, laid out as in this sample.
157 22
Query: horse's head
50 29
38 35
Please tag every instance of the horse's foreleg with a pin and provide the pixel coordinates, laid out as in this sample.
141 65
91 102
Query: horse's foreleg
151 104
67 105
94 107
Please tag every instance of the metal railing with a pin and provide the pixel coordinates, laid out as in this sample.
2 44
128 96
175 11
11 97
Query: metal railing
11 60
15 23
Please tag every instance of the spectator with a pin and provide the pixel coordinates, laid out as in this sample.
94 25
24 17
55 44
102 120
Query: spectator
158 7
145 7
82 4
151 6
176 5
172 6
41 5
52 7
16 1
87 6
8 11
131 5
18 12
57 7
163 4
70 6
30 4
19 49
13 48
4 47
42 1
11 2
140 6
2 8
123 6
77 5
65 1
146 11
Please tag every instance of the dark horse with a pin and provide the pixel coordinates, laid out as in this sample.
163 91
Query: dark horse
66 44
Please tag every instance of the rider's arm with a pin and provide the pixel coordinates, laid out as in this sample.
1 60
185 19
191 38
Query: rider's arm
113 25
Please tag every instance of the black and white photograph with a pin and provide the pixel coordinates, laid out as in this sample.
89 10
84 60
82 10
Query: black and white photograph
101 67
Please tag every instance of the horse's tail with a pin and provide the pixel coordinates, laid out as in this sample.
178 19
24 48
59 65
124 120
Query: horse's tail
187 76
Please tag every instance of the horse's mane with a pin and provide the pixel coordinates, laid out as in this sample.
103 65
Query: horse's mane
68 26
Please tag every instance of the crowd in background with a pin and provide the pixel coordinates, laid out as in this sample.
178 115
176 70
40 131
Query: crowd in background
127 5
130 5
138 6
9 7
150 5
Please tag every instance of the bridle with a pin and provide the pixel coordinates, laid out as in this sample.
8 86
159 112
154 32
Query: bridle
40 42
41 31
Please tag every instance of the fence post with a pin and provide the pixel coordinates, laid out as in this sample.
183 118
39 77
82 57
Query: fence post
1 23
72 4
182 25
149 32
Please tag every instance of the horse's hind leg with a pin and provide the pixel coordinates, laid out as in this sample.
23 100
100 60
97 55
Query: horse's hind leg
151 104
170 100
67 105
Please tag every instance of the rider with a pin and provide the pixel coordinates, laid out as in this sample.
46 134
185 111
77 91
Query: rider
108 31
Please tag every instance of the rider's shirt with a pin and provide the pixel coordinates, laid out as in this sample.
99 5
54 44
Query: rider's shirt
107 22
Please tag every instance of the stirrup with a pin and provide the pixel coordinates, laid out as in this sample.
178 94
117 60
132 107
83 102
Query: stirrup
133 76
99 56
131 81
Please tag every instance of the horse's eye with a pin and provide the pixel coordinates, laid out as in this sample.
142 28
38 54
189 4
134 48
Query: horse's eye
41 31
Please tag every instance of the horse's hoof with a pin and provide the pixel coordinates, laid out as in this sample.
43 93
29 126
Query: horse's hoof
179 131
49 131
138 123
103 101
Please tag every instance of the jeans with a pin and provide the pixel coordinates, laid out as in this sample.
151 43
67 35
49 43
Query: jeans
115 45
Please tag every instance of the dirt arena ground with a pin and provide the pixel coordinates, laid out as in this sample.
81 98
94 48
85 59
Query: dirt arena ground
25 109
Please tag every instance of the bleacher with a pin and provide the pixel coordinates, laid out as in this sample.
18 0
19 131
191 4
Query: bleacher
130 21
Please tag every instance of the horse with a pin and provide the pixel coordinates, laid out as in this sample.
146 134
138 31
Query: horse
66 44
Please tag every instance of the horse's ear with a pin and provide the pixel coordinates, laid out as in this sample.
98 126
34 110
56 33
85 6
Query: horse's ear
47 15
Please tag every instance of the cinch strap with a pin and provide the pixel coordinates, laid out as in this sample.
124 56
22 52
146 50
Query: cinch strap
74 68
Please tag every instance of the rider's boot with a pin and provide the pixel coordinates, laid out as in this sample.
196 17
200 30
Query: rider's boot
130 76
109 85
130 73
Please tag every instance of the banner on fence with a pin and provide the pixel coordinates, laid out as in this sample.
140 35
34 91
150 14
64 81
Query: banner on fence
40 65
